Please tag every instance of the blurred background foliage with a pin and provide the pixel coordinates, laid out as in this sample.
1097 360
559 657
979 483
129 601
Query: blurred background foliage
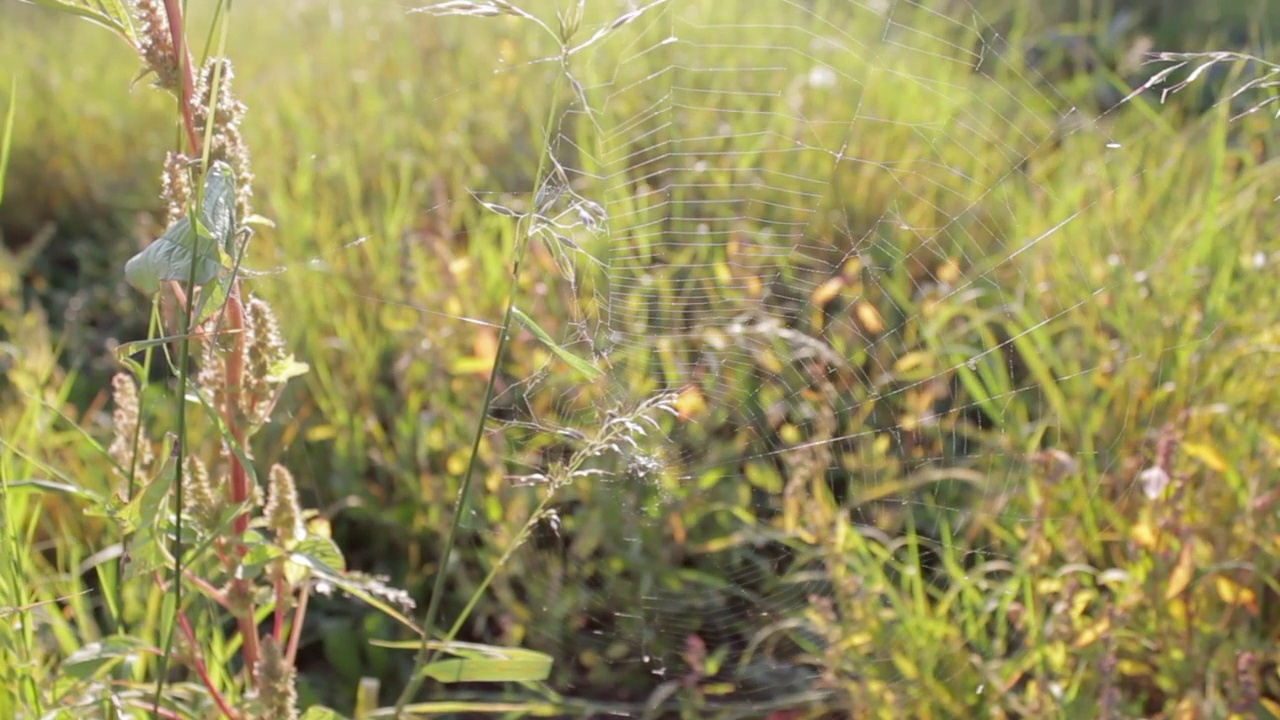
365 122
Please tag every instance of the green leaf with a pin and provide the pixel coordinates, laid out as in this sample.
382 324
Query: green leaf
314 553
126 350
287 369
486 670
321 550
259 555
582 366
149 507
111 14
481 663
455 708
203 244
94 657
367 697
146 555
42 485
6 136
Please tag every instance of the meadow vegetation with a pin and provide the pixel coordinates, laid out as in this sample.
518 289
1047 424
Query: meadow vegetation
1095 533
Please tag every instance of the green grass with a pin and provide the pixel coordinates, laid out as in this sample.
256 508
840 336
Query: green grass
998 579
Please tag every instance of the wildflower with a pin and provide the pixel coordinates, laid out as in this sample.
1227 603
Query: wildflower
283 512
175 186
264 349
200 500
277 694
129 448
225 143
155 45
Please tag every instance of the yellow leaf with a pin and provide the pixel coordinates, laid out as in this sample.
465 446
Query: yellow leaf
1133 668
1233 593
910 361
1186 710
827 291
1208 455
1091 634
320 526
1143 534
690 404
678 531
320 433
949 271
869 317
1180 578
790 434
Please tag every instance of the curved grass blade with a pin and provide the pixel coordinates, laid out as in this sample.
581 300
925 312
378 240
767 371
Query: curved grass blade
111 14
582 366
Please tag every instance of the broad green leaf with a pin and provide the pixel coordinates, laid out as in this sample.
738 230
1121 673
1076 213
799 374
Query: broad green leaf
259 555
94 657
146 555
287 369
322 550
212 298
111 14
203 244
149 507
463 707
582 366
319 552
459 670
474 662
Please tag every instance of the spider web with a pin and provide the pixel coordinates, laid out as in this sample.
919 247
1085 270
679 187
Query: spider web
754 243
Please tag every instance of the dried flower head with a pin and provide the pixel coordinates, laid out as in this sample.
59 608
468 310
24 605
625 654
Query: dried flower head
200 499
277 694
130 449
175 186
155 45
213 94
264 350
212 377
283 511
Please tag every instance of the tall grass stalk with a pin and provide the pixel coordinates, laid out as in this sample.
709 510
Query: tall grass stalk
521 240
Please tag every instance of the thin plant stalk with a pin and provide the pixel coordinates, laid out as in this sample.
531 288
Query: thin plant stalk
426 653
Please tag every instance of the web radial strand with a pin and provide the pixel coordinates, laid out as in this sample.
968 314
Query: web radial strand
788 250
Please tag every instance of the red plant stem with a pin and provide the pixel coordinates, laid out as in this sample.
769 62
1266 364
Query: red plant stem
178 37
295 633
239 477
217 595
235 381
202 670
